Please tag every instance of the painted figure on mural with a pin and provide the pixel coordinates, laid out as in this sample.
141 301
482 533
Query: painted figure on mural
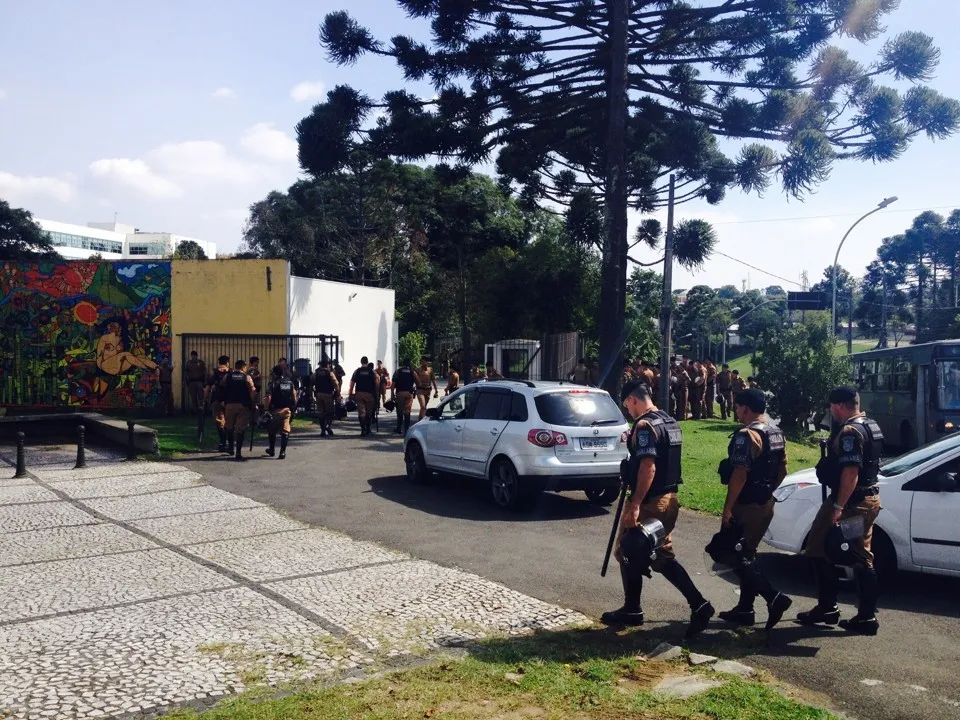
113 358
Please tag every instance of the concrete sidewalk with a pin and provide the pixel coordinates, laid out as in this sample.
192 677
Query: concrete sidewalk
129 587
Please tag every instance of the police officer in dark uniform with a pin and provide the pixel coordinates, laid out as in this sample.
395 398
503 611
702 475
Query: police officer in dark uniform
281 400
363 388
239 395
401 392
652 476
755 467
849 470
326 389
214 397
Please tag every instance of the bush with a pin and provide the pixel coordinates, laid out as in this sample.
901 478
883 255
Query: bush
800 368
412 346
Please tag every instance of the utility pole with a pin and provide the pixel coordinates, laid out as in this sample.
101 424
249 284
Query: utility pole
883 317
666 303
850 326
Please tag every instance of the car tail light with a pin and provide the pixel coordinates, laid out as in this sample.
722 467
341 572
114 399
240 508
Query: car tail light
578 392
624 437
546 438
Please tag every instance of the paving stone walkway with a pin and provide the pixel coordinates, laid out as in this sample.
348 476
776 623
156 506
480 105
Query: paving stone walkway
130 587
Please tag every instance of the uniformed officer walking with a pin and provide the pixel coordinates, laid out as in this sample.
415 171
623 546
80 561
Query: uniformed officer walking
239 396
850 471
363 389
194 373
756 465
725 387
652 477
214 397
253 370
325 388
281 399
165 373
453 381
425 380
401 392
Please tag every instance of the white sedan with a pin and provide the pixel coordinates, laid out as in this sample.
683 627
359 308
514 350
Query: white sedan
917 529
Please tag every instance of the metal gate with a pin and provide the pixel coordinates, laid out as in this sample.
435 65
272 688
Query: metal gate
552 357
302 352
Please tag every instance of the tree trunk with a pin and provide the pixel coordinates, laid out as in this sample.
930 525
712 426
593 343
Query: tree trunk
614 271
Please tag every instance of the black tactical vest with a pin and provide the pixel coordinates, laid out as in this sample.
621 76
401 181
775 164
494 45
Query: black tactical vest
365 381
403 380
237 390
669 439
763 472
872 449
281 394
323 382
219 393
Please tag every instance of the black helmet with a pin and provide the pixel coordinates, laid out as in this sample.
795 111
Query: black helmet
389 406
837 547
639 544
350 405
264 420
725 546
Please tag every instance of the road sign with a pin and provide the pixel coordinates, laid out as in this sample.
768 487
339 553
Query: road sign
807 301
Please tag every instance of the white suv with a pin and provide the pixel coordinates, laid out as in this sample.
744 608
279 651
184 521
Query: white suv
523 437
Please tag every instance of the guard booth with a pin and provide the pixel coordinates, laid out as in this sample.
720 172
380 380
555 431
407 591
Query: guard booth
303 353
553 357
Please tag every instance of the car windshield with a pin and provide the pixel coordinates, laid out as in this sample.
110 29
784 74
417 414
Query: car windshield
919 456
578 408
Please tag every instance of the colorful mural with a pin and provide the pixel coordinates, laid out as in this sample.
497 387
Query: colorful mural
84 334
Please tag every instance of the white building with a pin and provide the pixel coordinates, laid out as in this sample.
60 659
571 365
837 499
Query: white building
116 241
362 317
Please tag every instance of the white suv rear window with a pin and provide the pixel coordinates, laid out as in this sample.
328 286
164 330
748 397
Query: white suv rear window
578 409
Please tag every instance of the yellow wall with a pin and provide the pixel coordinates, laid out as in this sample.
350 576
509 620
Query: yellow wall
227 297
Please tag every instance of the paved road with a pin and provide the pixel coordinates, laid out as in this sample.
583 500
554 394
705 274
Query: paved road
911 670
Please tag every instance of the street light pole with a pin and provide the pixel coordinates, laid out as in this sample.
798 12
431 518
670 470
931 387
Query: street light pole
726 330
836 258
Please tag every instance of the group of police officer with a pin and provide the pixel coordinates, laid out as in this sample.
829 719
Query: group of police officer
755 467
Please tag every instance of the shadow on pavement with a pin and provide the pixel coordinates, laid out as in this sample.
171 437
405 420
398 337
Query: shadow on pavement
468 499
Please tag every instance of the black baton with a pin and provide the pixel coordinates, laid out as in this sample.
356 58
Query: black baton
823 455
613 530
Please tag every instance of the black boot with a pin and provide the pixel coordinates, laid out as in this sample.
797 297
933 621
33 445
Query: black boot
406 423
283 446
631 613
238 456
742 613
865 621
273 444
222 434
330 428
828 587
700 610
229 442
399 428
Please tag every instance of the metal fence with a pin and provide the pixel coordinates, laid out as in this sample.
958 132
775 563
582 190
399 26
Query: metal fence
551 357
302 352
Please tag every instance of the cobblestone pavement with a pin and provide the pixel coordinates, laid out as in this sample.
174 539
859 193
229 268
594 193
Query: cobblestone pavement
128 587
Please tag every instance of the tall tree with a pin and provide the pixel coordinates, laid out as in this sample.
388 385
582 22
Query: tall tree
189 250
612 97
21 238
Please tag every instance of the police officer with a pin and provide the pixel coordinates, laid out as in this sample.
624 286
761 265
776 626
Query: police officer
401 392
652 477
736 382
849 471
280 400
725 386
214 398
426 380
383 380
239 396
711 387
194 373
165 373
253 370
698 383
453 381
580 374
326 389
756 465
363 389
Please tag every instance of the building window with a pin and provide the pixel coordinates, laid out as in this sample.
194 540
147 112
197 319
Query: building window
138 249
147 249
85 243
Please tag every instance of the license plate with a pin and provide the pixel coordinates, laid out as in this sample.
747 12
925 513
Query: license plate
593 444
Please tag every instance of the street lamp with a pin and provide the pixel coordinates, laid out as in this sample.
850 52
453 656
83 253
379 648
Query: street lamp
836 258
727 328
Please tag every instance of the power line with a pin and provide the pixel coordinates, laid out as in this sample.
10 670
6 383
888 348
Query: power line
754 267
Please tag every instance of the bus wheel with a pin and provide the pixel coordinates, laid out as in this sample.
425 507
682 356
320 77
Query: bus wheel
907 439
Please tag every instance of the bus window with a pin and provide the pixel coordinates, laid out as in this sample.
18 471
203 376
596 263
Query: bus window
867 374
902 375
884 376
948 387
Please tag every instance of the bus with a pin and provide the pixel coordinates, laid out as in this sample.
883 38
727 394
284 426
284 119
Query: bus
913 392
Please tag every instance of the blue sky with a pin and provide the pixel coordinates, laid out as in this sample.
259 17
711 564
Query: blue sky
178 115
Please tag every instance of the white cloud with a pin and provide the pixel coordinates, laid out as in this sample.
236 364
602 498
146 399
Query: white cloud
234 216
224 93
16 188
135 173
201 159
265 141
307 91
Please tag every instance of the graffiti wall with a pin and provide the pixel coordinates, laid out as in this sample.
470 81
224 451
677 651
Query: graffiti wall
83 334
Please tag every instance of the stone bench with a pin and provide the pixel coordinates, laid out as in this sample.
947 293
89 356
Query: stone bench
110 431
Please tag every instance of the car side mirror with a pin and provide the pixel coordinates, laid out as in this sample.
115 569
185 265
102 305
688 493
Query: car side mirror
434 413
945 482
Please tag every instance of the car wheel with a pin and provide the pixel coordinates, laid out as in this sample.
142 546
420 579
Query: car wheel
417 471
602 496
507 489
884 558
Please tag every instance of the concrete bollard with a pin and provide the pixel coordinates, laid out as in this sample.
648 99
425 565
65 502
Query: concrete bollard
131 448
21 457
81 457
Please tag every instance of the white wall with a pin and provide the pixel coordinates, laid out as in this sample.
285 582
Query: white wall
364 322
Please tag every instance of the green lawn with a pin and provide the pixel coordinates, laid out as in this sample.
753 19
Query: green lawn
742 363
177 435
577 674
704 446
